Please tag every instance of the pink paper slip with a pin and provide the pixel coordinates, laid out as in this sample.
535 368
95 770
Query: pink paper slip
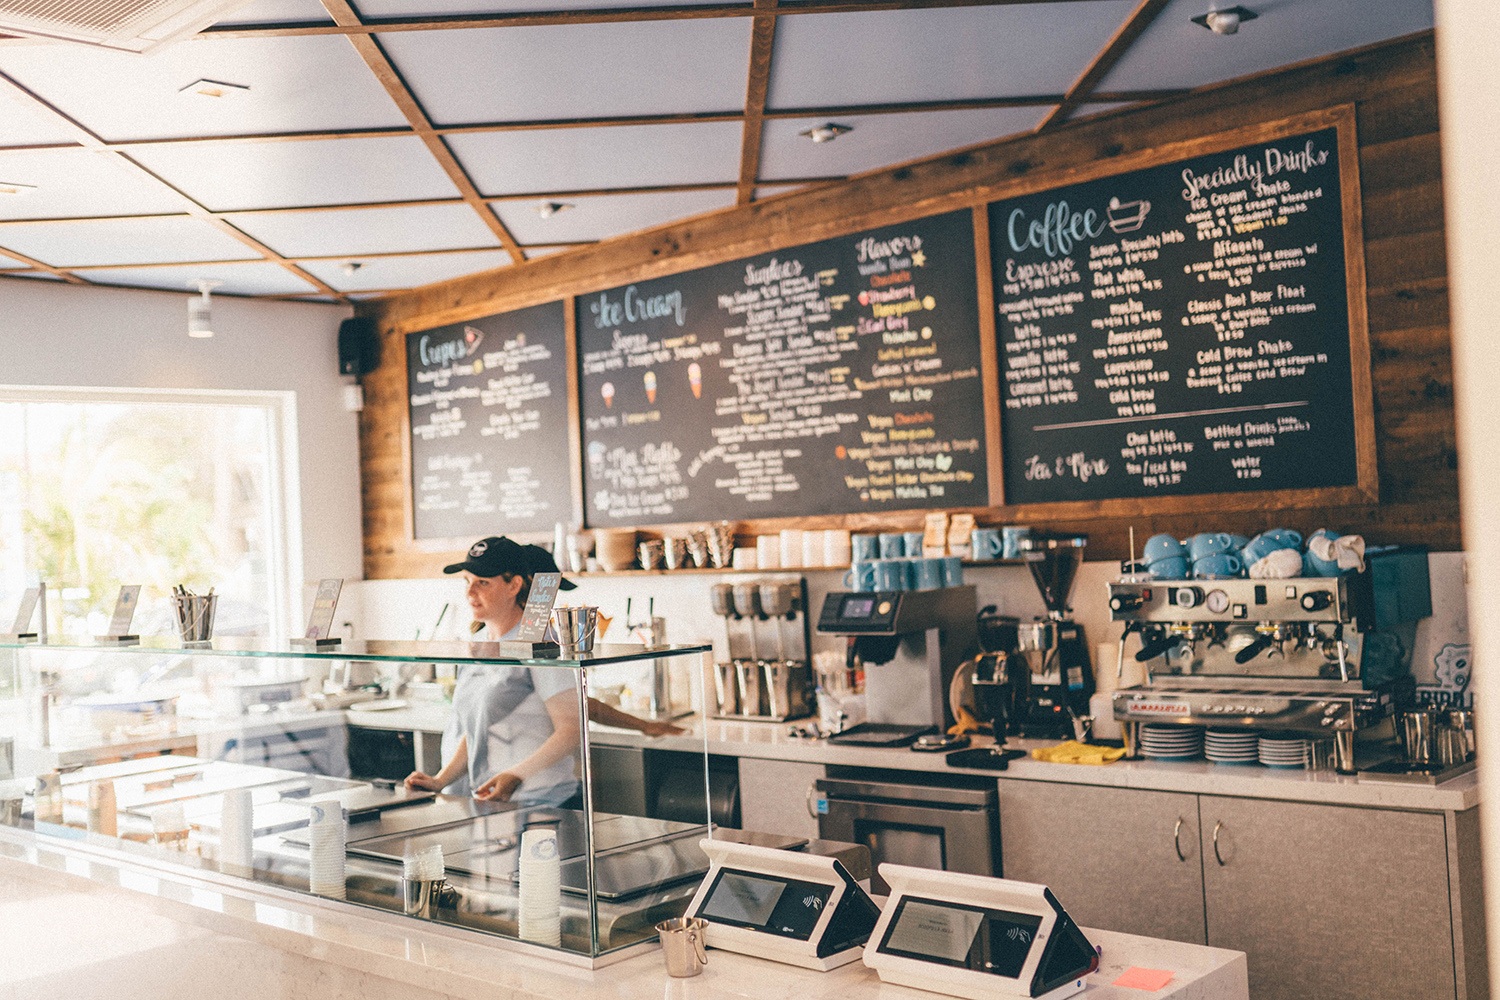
1144 979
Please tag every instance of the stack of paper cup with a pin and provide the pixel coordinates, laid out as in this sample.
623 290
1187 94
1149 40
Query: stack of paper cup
768 551
325 831
103 812
426 865
791 548
836 547
237 833
541 887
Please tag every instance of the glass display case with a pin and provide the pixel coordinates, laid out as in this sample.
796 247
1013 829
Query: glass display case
125 750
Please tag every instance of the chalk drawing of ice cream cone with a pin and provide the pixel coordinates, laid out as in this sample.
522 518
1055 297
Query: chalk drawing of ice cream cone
650 381
695 379
607 390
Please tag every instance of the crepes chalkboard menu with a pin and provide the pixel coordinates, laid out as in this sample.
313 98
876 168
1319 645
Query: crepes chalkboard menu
1180 329
489 425
835 377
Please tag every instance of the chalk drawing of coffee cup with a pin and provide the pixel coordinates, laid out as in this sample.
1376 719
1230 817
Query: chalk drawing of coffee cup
1126 217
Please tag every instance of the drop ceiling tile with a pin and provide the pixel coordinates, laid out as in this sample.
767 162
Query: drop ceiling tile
576 70
882 140
355 231
406 272
71 183
121 241
279 11
433 8
1175 52
23 124
255 278
296 84
229 176
580 159
603 216
926 55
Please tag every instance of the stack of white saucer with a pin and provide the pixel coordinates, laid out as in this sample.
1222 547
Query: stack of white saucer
541 887
1232 746
326 839
1283 751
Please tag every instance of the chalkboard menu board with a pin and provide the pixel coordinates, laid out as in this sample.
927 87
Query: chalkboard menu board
1179 329
489 425
836 377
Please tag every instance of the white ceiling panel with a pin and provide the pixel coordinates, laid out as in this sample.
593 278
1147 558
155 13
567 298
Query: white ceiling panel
279 11
255 278
926 55
21 123
406 272
121 241
351 232
581 159
603 216
572 71
435 8
71 183
296 84
1175 52
772 190
881 140
532 253
230 176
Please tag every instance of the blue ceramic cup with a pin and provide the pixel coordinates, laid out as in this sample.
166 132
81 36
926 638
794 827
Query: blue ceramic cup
861 575
891 574
892 545
1218 566
1163 547
863 548
926 574
1171 568
953 571
1267 542
986 544
913 544
1311 564
1209 543
1011 537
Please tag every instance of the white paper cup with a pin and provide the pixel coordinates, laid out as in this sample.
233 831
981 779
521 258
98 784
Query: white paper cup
812 548
836 551
768 552
791 548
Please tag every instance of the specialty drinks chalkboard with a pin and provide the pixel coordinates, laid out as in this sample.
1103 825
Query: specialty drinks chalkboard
835 377
1180 329
489 425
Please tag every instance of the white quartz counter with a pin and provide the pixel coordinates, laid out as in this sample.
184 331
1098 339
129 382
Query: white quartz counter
86 925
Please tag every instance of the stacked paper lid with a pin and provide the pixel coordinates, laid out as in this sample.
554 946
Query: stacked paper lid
326 839
237 833
541 887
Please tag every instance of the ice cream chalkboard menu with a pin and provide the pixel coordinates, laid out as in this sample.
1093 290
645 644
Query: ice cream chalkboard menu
1180 329
835 377
489 425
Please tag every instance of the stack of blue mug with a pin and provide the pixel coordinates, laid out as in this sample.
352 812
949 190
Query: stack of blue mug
894 561
1218 555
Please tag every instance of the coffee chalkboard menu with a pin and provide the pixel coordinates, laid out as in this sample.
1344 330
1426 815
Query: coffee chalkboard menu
835 377
1181 329
489 425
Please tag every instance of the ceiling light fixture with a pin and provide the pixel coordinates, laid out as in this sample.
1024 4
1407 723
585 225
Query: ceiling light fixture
350 266
214 88
548 209
1226 21
16 187
827 133
200 322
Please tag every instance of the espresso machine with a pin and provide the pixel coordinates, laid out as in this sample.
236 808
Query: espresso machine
910 643
1328 657
767 675
1043 681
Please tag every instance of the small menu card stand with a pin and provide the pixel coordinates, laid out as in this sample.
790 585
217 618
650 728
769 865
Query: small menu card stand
320 621
119 625
21 630
531 635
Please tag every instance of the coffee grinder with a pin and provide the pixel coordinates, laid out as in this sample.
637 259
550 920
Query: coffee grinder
1054 650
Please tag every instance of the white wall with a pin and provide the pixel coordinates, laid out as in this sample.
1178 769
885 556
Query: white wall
57 334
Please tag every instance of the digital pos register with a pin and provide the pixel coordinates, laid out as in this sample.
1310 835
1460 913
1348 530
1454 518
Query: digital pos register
790 907
977 937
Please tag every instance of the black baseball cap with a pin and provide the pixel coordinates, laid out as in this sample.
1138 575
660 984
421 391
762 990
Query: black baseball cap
497 556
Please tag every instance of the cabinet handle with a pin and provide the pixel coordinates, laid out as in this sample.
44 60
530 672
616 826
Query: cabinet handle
807 801
1177 841
1217 856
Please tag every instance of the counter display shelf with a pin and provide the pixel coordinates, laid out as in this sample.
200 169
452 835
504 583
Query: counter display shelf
591 890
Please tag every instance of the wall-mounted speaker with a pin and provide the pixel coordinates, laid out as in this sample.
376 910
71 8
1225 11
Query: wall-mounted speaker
359 346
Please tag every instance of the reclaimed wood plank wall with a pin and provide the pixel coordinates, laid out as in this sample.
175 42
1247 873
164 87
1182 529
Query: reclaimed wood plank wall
1394 90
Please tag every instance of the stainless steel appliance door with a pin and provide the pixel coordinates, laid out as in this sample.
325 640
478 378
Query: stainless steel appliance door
957 840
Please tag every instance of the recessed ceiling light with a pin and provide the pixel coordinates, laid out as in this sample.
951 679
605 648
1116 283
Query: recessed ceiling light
349 267
214 88
15 187
1226 21
827 133
548 209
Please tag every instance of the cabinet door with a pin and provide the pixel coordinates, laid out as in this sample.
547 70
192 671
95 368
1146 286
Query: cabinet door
1329 901
1120 859
773 796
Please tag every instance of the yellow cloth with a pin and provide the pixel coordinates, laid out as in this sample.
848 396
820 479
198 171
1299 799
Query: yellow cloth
966 723
1073 752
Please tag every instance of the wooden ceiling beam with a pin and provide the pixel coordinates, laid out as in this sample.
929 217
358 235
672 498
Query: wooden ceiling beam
1124 37
758 81
43 267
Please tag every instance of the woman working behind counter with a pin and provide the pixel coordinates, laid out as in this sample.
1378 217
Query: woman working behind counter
513 732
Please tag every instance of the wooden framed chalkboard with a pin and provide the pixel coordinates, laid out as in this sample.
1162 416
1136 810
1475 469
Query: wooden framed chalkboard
1185 330
836 377
488 425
